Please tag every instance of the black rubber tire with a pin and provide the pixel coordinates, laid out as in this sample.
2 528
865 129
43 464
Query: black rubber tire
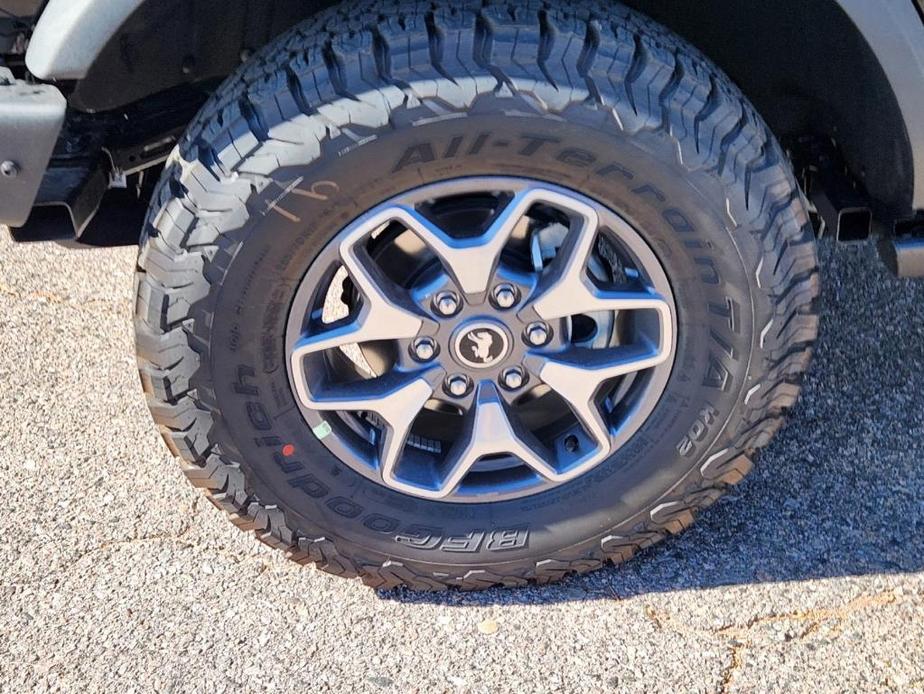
369 99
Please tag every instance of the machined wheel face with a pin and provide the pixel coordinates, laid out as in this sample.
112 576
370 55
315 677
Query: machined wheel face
481 339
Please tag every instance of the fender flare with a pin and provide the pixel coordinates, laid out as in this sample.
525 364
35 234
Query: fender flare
71 34
894 31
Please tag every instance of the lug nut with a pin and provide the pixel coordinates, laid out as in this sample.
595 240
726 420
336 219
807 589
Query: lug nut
537 334
446 303
505 295
10 169
457 385
513 378
424 348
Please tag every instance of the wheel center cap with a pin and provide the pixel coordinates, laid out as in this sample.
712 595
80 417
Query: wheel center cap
481 345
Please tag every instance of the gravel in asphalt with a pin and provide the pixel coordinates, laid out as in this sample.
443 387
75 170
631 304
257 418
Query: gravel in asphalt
117 575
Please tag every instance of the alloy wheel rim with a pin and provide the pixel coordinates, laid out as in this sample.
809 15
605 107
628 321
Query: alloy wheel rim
494 338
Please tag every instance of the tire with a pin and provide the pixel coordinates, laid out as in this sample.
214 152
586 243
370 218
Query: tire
367 101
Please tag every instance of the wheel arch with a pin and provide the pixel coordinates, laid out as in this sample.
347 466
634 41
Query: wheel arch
788 57
116 52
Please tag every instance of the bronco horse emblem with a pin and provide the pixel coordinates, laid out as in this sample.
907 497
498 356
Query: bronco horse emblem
484 342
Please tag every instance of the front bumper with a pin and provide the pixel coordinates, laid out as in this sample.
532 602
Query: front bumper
31 117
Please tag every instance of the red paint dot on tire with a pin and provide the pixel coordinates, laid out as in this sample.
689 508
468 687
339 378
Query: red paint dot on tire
288 450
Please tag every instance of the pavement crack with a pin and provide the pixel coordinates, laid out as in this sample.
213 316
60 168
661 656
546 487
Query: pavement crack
729 672
665 621
654 617
813 617
739 637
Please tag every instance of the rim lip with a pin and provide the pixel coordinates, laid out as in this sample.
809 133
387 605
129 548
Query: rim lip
313 281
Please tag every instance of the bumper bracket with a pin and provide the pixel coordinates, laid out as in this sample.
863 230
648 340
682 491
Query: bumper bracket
31 117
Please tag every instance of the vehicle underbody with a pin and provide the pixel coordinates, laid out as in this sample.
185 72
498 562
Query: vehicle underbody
848 142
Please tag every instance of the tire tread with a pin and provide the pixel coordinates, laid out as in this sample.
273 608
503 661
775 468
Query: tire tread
349 67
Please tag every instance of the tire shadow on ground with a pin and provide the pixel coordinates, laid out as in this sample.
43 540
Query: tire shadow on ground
839 492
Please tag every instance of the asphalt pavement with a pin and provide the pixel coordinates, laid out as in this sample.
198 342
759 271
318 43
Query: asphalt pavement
116 576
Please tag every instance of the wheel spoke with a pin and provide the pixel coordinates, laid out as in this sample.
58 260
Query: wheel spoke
577 377
567 289
472 261
491 431
607 300
396 398
385 314
580 295
589 299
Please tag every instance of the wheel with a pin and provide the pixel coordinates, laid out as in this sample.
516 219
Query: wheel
464 295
